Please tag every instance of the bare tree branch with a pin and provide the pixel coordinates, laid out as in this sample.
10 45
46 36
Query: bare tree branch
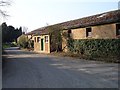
3 4
3 13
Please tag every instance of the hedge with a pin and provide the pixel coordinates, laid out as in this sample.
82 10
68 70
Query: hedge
95 47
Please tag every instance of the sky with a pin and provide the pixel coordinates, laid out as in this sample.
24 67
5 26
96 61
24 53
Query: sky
34 14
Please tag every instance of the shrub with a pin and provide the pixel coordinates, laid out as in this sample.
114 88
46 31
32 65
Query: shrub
94 48
22 41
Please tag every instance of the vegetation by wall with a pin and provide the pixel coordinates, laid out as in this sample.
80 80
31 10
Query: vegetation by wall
24 42
55 38
96 48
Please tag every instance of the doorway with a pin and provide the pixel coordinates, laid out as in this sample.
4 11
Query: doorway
42 44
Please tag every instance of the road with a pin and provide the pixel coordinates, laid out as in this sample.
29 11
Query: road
25 69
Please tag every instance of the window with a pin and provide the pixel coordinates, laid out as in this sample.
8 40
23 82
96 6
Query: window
38 39
35 39
88 32
69 33
117 29
46 39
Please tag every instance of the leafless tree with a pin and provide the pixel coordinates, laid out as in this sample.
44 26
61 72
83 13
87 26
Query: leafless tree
3 4
24 29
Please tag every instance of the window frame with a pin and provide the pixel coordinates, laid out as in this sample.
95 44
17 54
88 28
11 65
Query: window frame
89 32
35 39
46 39
118 29
69 32
38 39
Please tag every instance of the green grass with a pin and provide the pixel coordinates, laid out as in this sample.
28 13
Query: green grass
7 45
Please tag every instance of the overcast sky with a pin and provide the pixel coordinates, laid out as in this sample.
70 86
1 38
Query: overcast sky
34 14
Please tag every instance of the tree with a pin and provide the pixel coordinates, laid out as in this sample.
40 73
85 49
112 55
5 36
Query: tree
18 32
24 29
3 4
4 32
9 33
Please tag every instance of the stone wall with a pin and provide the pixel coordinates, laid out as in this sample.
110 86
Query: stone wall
98 32
104 31
107 31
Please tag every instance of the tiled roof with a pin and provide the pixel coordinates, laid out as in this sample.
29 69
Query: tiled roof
37 31
104 18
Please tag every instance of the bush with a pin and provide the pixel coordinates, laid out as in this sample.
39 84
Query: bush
94 48
22 41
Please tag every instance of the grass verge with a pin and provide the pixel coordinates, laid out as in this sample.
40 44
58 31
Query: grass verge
7 45
109 59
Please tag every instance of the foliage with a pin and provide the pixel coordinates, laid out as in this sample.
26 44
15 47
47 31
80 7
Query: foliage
7 45
9 33
23 41
94 48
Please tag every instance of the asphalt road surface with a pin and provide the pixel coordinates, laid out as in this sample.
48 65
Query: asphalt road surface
25 69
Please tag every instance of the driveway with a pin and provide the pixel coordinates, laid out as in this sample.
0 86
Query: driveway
25 69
